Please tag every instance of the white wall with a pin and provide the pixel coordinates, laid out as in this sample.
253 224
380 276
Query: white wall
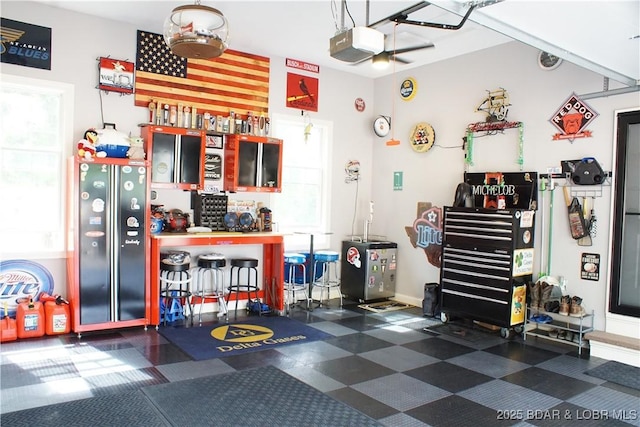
448 93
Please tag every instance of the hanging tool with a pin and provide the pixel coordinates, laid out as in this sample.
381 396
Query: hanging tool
552 187
543 188
576 217
586 240
593 226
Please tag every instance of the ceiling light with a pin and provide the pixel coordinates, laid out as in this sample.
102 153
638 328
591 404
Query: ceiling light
381 61
196 31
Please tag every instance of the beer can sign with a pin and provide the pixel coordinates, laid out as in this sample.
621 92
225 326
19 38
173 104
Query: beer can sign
21 280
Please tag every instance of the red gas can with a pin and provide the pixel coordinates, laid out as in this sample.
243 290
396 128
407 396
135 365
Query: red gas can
30 319
56 318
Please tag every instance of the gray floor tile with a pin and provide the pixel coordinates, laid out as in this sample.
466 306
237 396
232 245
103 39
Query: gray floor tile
573 367
402 420
332 328
488 364
194 369
611 402
100 363
314 378
501 395
31 396
400 391
398 358
313 352
396 334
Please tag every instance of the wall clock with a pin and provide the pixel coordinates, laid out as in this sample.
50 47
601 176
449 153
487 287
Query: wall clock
422 137
547 61
382 125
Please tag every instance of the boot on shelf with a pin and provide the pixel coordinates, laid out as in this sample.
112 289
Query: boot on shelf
565 304
534 294
545 294
576 309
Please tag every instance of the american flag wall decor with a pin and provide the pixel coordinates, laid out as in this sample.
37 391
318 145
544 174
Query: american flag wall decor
235 81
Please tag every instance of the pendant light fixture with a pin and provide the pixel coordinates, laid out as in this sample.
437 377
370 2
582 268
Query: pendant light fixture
196 31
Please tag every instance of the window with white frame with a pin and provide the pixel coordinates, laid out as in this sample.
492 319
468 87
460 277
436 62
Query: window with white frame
36 121
303 206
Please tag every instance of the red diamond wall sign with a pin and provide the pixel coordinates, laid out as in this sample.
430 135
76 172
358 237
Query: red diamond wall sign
572 118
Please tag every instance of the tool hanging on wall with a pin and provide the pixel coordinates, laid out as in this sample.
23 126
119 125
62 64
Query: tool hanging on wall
552 187
586 240
543 188
575 215
593 226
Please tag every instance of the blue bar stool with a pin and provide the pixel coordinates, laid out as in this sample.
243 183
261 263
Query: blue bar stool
295 275
250 267
175 285
209 283
325 267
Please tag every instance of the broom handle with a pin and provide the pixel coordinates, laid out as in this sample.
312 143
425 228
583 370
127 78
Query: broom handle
553 187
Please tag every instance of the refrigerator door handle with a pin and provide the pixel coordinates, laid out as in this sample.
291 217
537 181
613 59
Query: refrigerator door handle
114 260
259 166
177 154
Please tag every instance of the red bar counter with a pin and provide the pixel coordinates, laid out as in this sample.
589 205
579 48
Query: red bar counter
272 260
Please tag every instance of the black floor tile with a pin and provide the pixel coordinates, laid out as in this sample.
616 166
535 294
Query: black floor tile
120 382
363 403
261 358
522 353
358 343
352 370
439 348
361 323
448 377
456 411
547 382
164 354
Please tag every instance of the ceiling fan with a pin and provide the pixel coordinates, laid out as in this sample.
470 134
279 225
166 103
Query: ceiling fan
382 59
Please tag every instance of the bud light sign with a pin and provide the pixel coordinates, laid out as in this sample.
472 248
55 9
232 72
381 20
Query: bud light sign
21 280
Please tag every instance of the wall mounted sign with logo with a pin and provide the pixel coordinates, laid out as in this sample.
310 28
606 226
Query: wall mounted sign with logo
422 137
408 89
25 44
359 104
426 232
116 75
302 92
301 65
590 267
572 118
503 190
20 280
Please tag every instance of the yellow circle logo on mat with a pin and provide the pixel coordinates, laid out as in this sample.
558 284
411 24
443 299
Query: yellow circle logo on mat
241 333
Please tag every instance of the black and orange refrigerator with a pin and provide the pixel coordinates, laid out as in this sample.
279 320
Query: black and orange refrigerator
107 243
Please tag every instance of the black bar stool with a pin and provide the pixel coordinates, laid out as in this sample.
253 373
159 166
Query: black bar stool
175 285
209 282
238 265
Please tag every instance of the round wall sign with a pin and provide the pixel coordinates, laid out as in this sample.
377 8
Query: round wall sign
23 279
422 137
359 104
408 89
